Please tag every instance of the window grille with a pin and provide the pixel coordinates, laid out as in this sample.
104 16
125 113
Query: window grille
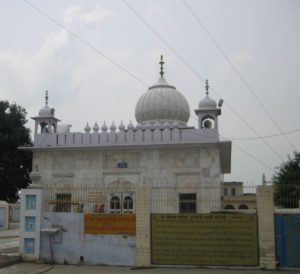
63 202
128 204
115 206
233 192
187 203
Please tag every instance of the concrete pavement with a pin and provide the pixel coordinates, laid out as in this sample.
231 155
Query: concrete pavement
35 268
9 233
9 243
9 246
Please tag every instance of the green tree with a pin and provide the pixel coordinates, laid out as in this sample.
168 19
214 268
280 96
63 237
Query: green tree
287 183
15 164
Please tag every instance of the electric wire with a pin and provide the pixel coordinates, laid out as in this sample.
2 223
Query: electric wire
253 138
89 45
242 78
125 70
253 157
263 137
198 76
235 145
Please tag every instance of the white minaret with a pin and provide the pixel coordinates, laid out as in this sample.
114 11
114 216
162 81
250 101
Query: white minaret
208 111
46 121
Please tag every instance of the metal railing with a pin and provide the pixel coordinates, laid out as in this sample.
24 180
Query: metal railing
122 199
202 199
89 199
287 196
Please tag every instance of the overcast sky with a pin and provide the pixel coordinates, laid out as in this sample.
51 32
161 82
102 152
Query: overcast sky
260 38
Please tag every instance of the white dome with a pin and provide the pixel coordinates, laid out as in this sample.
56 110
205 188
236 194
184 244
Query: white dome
45 111
162 103
207 103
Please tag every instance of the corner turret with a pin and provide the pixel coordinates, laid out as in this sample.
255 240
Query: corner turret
45 122
208 111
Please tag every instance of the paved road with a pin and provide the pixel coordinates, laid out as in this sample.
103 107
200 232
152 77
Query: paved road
8 243
9 247
9 233
26 268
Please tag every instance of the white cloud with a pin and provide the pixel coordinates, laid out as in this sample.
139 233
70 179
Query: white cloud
62 65
78 79
76 16
26 72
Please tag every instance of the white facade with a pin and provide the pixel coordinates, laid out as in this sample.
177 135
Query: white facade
161 153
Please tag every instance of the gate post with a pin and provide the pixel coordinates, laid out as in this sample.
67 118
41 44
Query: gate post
266 231
143 248
30 223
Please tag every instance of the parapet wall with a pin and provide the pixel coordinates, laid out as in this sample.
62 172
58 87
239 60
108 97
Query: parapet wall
128 137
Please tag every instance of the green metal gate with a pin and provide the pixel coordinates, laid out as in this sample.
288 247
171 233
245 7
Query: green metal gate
218 239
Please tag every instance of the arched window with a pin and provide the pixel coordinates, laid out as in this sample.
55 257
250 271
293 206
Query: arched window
44 127
229 207
208 121
127 204
115 204
243 206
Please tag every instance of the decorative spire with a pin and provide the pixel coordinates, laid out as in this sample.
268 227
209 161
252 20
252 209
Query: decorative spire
96 127
130 126
113 127
206 87
104 127
161 66
46 98
87 128
121 126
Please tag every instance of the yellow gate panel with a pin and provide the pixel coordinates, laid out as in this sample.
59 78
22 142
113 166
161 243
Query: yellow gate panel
109 224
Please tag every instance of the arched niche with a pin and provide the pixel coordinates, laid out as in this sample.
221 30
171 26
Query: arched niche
243 206
46 127
208 121
229 207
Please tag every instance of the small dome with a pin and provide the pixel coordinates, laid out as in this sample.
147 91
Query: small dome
148 126
167 125
87 128
162 103
130 126
104 127
157 125
207 103
46 111
121 126
139 126
113 127
96 127
175 125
